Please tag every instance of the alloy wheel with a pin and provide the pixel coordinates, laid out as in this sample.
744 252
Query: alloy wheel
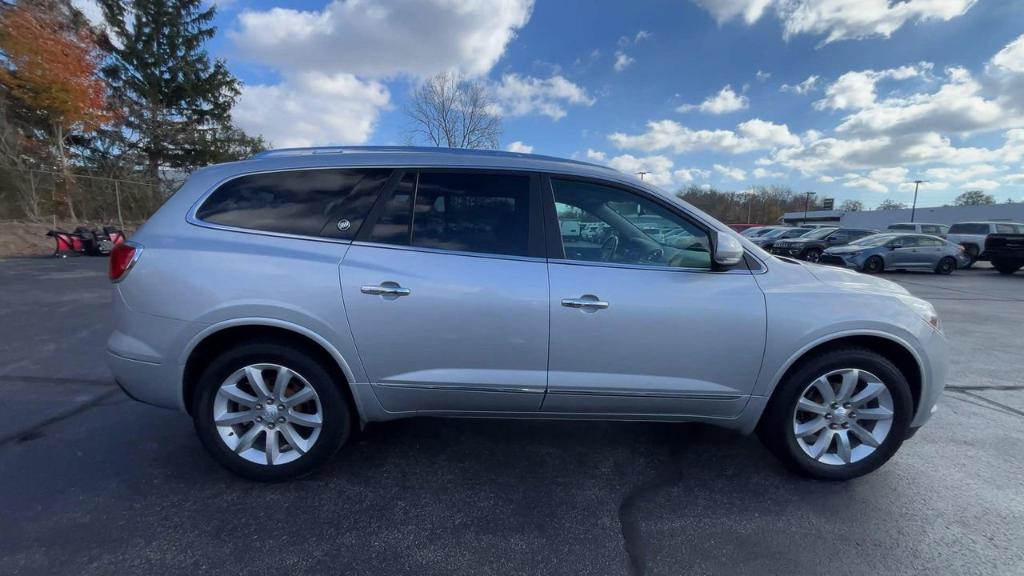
267 414
843 416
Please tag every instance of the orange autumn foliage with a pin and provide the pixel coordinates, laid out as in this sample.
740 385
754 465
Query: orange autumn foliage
52 68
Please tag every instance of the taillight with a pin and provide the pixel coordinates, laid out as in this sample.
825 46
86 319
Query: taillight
122 258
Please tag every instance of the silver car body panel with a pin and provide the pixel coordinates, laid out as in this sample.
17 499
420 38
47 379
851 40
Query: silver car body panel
472 339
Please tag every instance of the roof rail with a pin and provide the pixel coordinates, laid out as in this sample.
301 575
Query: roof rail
286 152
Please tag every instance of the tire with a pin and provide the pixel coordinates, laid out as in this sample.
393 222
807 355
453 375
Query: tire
318 443
873 265
945 266
811 255
1006 267
778 426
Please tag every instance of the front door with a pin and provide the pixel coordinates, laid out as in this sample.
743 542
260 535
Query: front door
448 308
640 324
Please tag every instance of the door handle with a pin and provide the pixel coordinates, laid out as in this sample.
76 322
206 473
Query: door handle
386 289
587 302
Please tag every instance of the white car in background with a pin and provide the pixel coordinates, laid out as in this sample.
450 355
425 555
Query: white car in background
972 236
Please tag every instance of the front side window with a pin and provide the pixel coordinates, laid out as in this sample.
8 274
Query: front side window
968 228
901 227
604 224
905 242
330 203
464 212
930 229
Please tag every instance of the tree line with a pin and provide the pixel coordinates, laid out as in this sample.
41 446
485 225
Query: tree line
135 101
767 204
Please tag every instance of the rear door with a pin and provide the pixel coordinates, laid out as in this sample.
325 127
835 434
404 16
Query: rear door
447 293
640 324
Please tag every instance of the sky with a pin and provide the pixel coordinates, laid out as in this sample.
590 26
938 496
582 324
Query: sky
852 99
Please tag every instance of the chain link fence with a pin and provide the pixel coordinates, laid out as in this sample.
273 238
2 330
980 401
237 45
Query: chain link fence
46 196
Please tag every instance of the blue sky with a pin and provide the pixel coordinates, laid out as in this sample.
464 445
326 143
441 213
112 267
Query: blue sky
849 98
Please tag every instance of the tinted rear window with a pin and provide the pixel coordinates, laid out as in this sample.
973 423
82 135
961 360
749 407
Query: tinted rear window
464 212
330 203
968 229
901 227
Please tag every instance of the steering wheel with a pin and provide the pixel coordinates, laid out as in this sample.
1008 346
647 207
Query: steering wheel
609 247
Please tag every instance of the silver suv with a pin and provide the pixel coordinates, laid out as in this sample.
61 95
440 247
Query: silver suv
288 299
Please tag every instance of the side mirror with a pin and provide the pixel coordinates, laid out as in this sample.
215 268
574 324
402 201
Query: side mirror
728 251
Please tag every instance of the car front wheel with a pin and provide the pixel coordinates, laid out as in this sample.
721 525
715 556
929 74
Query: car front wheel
874 265
812 255
269 412
839 415
945 266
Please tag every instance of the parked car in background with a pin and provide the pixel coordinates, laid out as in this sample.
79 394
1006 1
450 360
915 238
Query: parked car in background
811 245
759 231
899 251
742 227
766 241
972 235
314 302
1005 252
920 228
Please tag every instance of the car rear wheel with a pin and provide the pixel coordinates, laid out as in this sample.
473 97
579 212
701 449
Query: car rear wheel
269 412
874 265
839 415
812 255
945 266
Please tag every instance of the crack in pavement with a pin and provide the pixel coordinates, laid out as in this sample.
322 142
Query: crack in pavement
988 403
54 380
34 430
1001 388
629 521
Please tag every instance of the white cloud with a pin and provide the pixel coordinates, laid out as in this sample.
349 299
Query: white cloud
383 37
688 175
749 11
856 90
751 135
518 146
980 185
763 173
641 35
838 19
730 172
312 108
622 61
519 95
726 100
657 169
891 175
808 85
961 174
1011 57
925 186
1014 178
863 182
763 76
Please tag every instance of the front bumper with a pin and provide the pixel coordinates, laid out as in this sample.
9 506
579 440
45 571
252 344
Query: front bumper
844 260
789 251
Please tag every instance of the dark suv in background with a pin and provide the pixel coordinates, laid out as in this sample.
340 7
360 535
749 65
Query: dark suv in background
810 246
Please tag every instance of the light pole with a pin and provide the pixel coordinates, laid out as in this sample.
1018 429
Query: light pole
641 174
807 203
913 207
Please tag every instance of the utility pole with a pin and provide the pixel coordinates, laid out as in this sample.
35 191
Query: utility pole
913 207
807 203
641 174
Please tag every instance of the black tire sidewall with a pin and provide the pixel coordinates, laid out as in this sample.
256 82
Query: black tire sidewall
876 269
336 414
809 251
776 424
939 269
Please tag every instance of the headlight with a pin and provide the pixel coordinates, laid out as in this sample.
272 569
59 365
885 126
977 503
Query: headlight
923 309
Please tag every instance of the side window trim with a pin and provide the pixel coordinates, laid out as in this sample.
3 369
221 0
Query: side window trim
535 229
555 250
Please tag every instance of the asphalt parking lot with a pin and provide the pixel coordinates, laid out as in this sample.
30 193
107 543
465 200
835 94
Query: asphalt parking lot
94 483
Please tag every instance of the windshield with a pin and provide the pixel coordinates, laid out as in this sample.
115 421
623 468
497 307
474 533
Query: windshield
819 234
873 240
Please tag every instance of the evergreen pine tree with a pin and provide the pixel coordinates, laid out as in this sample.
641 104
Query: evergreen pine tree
176 102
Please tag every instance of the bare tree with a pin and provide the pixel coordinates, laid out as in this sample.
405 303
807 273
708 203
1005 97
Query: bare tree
452 111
